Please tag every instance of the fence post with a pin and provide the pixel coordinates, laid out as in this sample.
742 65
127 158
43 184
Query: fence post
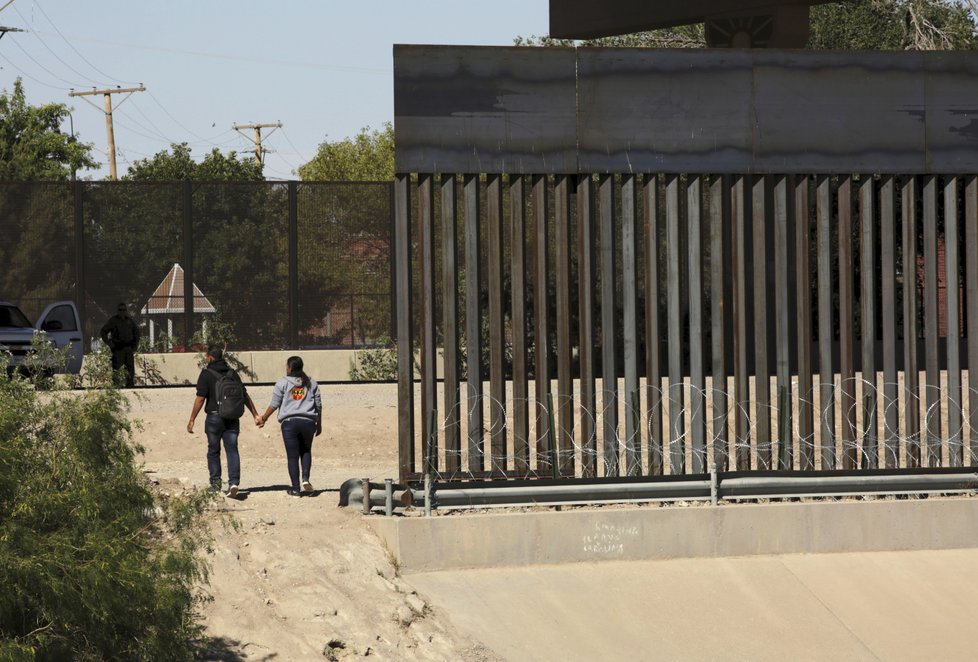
188 264
294 265
81 297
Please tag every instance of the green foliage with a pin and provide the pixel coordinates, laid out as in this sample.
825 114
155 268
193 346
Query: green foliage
375 365
221 334
893 25
97 369
177 165
32 147
43 361
94 565
368 156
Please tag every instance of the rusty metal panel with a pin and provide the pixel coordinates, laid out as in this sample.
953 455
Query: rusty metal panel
653 316
783 206
429 353
609 349
837 112
760 214
541 319
565 377
566 110
952 264
932 366
720 303
697 330
405 336
629 305
741 339
664 111
520 266
450 316
484 109
826 376
888 290
497 326
473 322
952 112
911 390
867 321
586 279
674 323
971 307
847 332
803 311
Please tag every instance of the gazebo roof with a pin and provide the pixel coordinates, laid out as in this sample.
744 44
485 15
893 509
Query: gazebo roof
168 296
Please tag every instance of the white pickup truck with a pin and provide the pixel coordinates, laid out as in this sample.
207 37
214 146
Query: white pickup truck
60 325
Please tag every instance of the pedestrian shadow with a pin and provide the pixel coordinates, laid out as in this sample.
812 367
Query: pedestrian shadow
225 649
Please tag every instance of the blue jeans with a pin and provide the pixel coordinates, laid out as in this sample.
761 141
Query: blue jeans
297 433
220 429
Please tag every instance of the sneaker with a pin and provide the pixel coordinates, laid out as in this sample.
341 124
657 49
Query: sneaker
306 486
232 491
292 492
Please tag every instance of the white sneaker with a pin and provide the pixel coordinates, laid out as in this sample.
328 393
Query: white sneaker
306 486
232 491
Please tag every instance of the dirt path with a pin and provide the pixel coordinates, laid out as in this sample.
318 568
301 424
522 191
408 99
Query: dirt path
300 578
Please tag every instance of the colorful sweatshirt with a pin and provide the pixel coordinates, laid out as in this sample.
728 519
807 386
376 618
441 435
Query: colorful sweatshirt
291 398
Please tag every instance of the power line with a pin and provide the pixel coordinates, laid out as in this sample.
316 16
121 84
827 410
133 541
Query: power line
31 58
50 50
27 75
77 52
244 58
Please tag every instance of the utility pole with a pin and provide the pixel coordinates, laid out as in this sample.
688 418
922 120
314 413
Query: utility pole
259 151
108 116
4 30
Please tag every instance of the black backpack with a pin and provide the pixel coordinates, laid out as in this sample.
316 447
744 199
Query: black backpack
229 394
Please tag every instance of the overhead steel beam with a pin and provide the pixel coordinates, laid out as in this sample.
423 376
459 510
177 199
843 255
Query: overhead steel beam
590 19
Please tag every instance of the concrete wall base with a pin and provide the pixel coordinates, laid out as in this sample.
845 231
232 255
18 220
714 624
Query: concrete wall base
449 542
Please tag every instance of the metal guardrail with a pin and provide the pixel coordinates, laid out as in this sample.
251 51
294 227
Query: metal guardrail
713 487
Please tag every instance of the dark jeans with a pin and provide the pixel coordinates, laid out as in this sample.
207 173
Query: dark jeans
297 433
222 429
124 357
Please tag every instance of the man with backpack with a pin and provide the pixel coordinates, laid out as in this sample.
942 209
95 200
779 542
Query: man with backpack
223 396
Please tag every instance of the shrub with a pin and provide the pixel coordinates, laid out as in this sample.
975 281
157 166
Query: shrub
93 564
375 365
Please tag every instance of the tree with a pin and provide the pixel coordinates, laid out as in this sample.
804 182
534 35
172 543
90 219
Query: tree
178 165
94 563
368 156
893 25
239 223
32 147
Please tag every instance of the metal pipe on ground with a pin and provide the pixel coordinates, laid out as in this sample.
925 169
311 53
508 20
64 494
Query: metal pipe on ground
757 487
399 497
351 494
568 494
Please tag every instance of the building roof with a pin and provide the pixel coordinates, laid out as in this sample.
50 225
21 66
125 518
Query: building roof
167 298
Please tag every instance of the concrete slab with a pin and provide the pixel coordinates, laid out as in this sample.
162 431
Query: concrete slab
912 605
475 540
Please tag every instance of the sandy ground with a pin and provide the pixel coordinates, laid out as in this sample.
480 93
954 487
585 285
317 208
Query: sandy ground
301 578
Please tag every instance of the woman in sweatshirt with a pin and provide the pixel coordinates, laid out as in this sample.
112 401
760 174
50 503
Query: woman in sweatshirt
300 411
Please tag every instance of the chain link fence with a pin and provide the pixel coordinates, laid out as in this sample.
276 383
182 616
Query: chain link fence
260 265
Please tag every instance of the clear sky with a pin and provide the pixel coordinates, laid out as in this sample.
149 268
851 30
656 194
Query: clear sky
322 67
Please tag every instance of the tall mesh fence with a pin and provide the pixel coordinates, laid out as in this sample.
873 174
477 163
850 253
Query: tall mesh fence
265 265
